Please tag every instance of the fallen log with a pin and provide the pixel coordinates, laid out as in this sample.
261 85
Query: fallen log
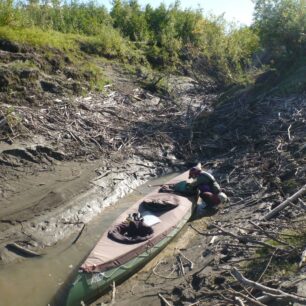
273 212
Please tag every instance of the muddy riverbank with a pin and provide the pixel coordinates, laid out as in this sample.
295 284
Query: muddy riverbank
65 159
50 271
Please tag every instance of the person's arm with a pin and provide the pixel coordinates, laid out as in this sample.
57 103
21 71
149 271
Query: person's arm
216 187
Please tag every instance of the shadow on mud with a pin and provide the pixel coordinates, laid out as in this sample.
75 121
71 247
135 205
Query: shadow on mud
202 211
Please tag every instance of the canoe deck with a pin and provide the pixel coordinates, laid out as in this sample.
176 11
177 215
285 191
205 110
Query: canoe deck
114 261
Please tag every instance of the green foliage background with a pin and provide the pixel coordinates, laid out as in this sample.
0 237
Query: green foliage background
165 38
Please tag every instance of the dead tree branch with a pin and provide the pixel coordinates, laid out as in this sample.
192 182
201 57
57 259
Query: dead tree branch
273 212
245 238
267 290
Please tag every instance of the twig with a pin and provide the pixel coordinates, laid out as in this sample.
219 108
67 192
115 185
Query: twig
113 293
181 264
289 135
303 204
266 268
201 233
195 303
270 236
157 274
164 300
191 263
249 299
96 142
298 280
239 300
79 235
245 238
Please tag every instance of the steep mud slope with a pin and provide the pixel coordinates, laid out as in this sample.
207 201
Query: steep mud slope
35 76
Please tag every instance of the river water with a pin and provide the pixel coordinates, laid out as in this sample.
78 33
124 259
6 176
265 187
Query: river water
34 281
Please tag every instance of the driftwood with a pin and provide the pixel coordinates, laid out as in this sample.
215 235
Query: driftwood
276 293
277 209
22 250
243 238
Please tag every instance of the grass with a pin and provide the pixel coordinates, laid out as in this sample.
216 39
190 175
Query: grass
294 79
97 80
287 80
109 45
21 65
39 38
279 266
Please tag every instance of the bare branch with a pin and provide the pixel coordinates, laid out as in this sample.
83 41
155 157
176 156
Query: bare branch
273 212
267 290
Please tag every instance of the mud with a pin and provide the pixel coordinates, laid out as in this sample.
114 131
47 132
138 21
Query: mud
64 158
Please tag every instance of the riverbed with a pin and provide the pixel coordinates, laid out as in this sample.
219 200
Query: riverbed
34 281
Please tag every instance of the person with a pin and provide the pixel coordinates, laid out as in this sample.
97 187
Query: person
209 190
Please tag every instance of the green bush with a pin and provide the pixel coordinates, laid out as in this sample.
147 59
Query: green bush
40 38
281 25
108 43
169 37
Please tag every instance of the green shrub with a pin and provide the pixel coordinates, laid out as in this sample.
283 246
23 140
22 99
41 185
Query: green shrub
281 25
40 38
169 37
108 43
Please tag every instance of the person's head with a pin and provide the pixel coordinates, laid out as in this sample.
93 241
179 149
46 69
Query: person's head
194 172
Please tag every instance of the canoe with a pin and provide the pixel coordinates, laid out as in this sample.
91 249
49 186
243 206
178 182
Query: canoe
112 261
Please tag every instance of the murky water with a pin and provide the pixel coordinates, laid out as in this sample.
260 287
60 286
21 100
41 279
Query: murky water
33 282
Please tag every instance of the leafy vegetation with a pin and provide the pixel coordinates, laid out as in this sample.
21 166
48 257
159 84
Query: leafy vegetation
281 25
284 264
167 38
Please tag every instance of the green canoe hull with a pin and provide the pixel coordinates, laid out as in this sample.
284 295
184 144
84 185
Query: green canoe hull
87 287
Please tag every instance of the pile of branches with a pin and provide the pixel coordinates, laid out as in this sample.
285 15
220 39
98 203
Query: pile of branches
268 123
253 250
249 255
107 122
